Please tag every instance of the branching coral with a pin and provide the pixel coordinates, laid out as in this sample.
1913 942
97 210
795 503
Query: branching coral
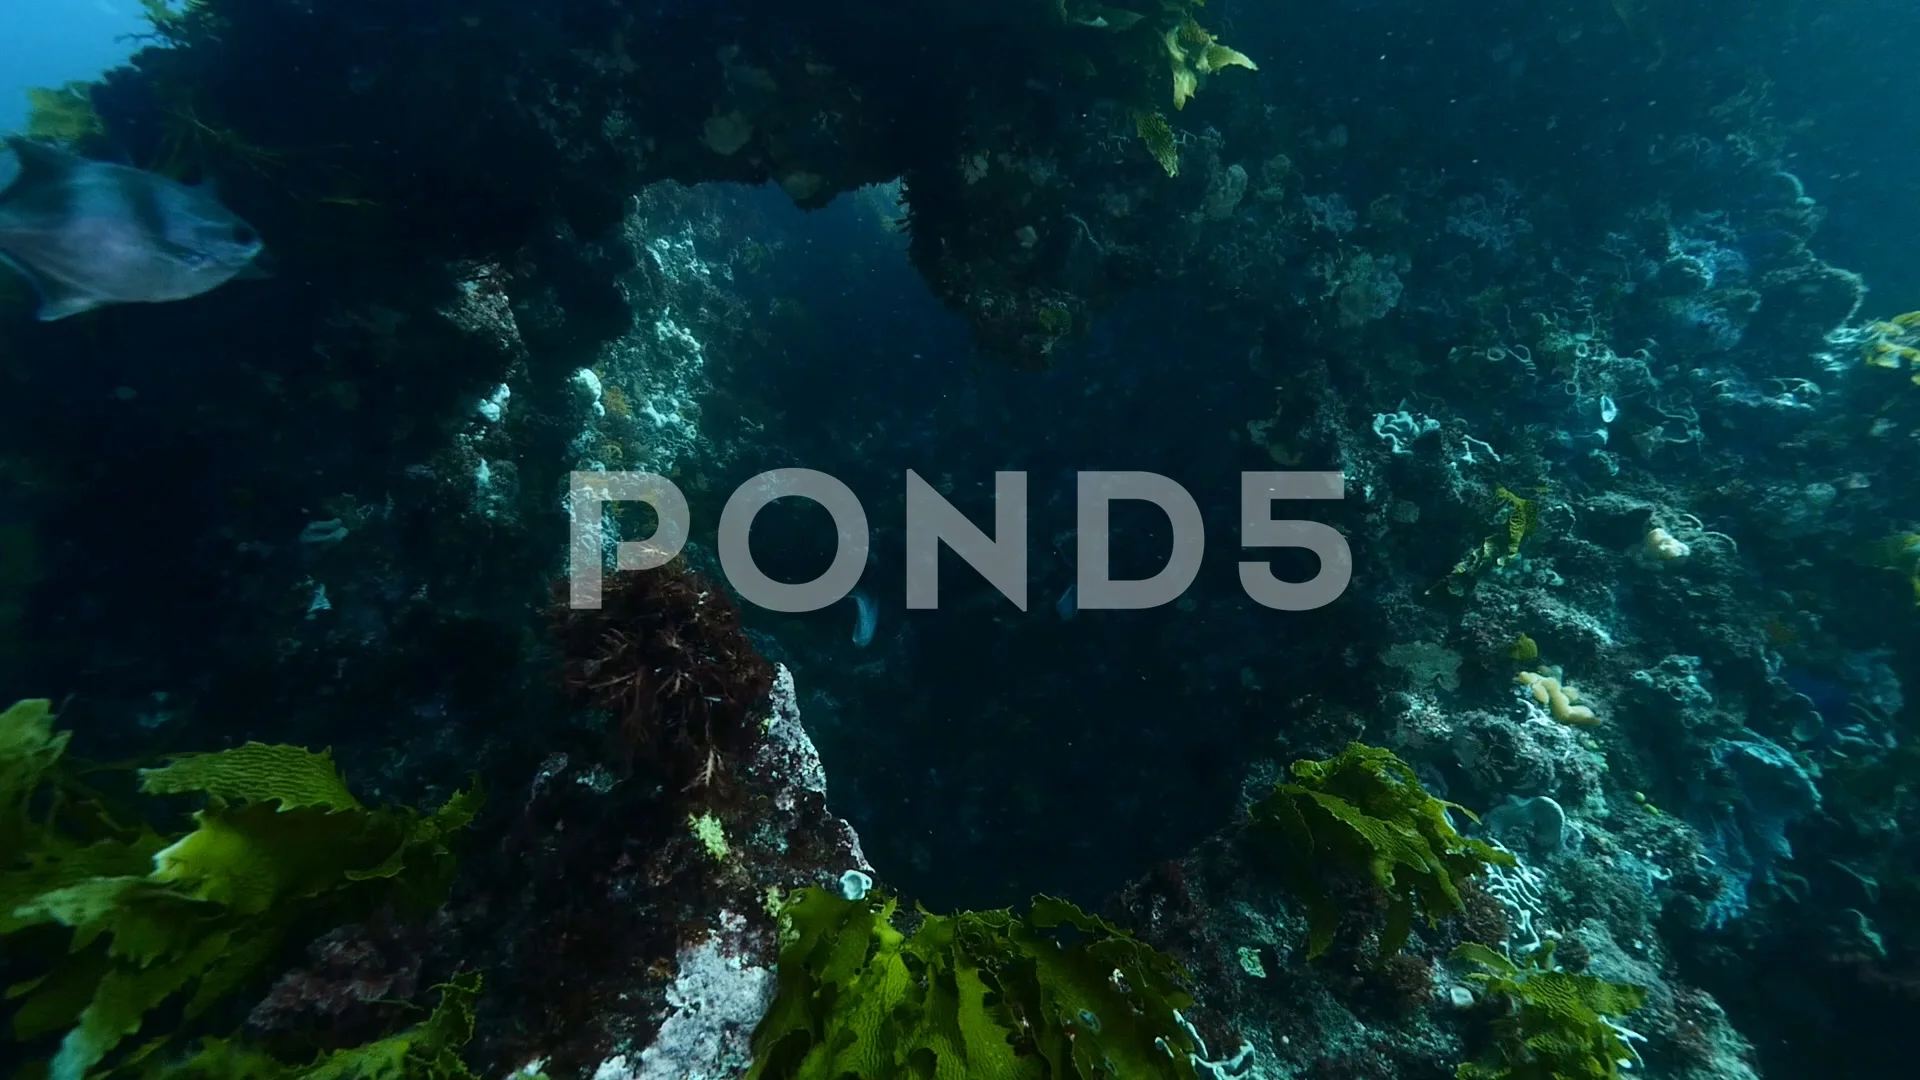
1364 812
1055 993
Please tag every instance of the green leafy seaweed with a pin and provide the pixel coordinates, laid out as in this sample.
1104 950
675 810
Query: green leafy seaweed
981 995
1364 812
185 922
1554 1024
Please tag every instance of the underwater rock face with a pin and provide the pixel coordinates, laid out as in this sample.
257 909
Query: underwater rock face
1610 420
724 977
631 938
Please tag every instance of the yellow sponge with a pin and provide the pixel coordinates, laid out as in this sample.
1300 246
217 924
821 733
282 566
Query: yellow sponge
1562 701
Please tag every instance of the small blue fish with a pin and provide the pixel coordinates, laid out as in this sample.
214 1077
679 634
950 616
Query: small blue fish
866 619
88 233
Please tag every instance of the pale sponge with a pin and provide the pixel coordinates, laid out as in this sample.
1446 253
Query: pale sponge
1562 701
1667 547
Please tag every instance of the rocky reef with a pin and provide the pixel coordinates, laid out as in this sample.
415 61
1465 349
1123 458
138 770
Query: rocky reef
1635 566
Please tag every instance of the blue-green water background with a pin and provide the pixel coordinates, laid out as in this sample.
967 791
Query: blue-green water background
50 42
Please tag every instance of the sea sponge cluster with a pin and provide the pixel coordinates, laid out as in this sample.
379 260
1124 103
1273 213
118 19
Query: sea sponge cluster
1666 547
1562 701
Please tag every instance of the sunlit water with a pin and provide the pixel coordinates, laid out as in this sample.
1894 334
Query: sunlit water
49 42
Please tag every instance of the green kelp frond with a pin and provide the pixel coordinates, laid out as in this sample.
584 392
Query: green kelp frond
1054 994
293 777
1157 136
185 922
1364 812
63 114
1555 1025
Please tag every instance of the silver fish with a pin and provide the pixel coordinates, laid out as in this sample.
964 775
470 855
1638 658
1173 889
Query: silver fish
87 233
